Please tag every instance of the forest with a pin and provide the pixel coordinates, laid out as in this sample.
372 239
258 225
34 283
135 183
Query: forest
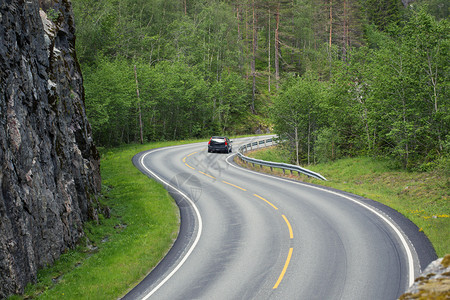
333 78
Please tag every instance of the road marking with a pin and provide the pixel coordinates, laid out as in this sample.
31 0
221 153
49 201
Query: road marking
197 213
207 175
266 201
291 234
234 185
189 166
284 269
184 160
403 241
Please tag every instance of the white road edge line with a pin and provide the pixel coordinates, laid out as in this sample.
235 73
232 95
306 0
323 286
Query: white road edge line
200 224
396 230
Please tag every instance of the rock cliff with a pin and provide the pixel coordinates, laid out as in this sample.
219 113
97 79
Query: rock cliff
433 283
49 166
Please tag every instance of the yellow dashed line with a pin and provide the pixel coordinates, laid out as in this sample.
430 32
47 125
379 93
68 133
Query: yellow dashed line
266 201
184 158
291 234
284 269
207 175
234 185
189 166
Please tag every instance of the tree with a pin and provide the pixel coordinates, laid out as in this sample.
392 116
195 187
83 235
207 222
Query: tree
297 112
110 90
383 12
407 75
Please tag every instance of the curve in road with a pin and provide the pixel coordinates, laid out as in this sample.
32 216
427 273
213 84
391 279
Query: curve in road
246 235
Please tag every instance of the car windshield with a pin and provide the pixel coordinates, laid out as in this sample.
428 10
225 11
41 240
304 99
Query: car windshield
217 140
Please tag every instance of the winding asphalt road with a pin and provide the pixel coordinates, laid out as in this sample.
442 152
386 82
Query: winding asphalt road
246 235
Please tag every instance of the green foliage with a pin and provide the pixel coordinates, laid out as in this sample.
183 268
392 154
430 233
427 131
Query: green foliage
383 13
176 102
326 145
186 69
390 98
53 15
408 99
298 112
110 99
381 86
440 9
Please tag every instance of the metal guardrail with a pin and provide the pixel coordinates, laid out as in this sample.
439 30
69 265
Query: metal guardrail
271 165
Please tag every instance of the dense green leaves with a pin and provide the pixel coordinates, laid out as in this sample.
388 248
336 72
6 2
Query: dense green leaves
409 89
335 78
298 112
388 99
187 69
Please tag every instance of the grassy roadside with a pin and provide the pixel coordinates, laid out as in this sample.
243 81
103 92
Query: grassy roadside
120 251
421 197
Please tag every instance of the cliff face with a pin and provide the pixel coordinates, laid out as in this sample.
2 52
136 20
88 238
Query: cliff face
49 166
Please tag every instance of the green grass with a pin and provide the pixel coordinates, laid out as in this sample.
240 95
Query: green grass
423 197
119 251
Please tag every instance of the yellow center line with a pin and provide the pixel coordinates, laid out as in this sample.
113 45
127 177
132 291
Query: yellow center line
291 234
184 158
266 201
207 175
284 269
234 185
189 166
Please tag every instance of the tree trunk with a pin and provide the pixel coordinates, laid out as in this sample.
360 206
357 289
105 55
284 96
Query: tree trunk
268 64
331 22
296 145
239 38
139 107
434 79
277 46
309 138
344 35
254 59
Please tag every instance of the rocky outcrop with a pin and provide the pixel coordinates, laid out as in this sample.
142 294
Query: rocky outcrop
433 283
49 166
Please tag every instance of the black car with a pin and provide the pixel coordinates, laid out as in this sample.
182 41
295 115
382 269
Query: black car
219 144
